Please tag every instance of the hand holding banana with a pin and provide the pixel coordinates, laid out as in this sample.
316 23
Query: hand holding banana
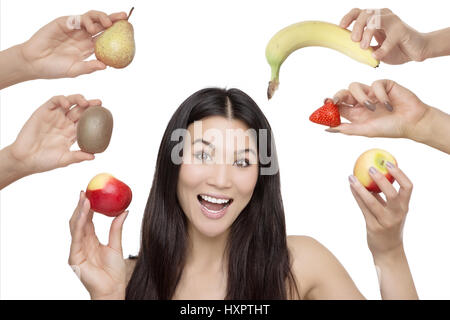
307 34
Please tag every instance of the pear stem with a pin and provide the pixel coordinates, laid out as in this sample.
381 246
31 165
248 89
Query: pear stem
131 11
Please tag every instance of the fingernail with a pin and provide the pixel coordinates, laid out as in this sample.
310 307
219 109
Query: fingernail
372 170
335 100
388 106
332 130
346 104
369 105
390 165
352 179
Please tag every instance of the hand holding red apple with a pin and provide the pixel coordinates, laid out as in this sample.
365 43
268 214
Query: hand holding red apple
101 268
384 218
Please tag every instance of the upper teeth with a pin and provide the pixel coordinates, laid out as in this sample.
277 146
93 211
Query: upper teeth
214 200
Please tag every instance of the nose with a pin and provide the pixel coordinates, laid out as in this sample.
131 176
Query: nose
220 176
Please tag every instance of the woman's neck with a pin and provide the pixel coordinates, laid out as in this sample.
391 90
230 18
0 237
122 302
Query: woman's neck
206 253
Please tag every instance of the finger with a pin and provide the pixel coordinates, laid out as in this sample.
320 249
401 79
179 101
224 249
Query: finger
94 102
369 200
97 28
118 16
345 97
406 186
380 199
360 92
360 24
76 213
367 38
77 99
88 24
383 183
79 224
72 157
370 219
384 49
101 17
381 89
75 113
349 18
115 232
59 102
86 67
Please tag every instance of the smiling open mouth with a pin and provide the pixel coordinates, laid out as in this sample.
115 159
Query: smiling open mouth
214 205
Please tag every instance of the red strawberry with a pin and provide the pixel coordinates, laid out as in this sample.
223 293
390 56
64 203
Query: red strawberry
327 115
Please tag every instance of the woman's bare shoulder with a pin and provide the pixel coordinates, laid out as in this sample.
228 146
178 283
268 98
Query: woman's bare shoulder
319 272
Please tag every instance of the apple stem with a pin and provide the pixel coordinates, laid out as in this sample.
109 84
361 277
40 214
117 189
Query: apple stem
131 11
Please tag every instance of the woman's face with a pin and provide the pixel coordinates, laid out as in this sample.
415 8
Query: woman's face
218 173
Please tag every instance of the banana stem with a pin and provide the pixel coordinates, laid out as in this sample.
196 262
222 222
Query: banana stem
273 83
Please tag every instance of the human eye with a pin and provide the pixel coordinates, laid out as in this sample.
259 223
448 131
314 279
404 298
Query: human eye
242 163
202 156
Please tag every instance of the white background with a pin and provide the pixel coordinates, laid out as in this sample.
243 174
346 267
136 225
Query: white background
183 46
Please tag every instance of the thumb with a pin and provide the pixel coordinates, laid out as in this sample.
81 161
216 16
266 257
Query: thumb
115 232
383 50
352 129
76 157
86 67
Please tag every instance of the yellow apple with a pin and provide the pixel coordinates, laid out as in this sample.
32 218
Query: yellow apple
376 158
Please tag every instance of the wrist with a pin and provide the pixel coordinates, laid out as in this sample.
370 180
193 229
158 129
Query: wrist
390 257
421 130
19 69
119 295
26 69
437 43
10 168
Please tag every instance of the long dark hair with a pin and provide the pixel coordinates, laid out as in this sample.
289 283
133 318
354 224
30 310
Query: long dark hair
259 265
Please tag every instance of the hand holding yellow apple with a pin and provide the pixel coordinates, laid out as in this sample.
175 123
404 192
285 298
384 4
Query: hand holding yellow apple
384 218
373 159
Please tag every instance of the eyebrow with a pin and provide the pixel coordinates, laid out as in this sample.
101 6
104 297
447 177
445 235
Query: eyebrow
209 144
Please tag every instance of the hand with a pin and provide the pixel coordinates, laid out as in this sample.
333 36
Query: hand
384 109
100 268
58 50
384 218
397 42
44 142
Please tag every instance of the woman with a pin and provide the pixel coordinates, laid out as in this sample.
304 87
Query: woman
214 225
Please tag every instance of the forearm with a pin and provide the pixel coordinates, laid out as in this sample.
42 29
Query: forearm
394 276
10 169
13 68
438 43
433 129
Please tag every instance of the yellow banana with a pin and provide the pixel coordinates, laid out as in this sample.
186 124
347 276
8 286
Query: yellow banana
307 34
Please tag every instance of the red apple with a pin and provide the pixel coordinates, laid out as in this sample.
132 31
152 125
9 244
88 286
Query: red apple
108 195
376 158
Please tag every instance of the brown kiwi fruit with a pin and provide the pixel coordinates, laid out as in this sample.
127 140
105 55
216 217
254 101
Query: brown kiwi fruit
94 129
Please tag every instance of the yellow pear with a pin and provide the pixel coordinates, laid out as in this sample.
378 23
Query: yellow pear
115 47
